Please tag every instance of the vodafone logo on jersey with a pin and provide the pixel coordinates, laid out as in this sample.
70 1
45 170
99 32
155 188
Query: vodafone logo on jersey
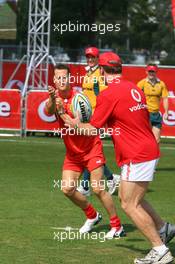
136 95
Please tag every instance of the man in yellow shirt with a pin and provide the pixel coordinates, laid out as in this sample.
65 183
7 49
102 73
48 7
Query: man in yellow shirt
154 89
93 84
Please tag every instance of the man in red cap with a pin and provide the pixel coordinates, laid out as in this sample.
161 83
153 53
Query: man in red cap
92 85
154 89
122 106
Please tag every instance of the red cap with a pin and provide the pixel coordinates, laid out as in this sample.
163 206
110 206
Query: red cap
93 51
152 68
109 59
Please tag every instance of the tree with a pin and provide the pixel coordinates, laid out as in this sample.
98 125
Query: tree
143 23
150 24
22 21
163 38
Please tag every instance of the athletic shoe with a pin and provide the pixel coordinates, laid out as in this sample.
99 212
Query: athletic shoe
113 184
168 234
115 233
83 191
90 223
153 257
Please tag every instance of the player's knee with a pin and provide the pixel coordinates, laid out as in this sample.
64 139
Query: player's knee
156 134
98 191
125 205
68 191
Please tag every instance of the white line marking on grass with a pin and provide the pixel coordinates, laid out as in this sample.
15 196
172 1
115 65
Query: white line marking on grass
9 135
8 140
7 29
67 228
30 141
162 147
60 142
169 148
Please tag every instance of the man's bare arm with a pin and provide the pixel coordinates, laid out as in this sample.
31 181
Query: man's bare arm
165 105
82 128
51 103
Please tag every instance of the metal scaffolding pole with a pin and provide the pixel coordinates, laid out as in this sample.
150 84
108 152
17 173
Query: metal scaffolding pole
1 66
38 44
37 50
38 57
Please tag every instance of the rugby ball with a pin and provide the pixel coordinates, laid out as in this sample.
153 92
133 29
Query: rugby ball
81 105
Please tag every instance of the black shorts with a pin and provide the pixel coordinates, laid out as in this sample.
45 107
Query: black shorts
156 119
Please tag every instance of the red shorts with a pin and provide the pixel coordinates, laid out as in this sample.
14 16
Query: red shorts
91 161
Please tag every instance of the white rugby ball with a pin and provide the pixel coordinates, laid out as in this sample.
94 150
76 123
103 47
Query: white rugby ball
81 105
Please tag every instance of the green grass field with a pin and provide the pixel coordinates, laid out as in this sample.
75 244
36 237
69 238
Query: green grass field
30 206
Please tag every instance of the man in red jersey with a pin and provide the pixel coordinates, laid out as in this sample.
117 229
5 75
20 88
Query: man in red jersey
122 106
81 152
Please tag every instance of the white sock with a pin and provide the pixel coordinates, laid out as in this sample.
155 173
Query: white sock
161 249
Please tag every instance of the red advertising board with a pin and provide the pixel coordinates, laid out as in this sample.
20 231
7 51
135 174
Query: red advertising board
10 109
132 73
36 118
168 127
18 80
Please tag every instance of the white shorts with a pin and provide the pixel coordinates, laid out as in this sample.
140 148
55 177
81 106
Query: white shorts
143 171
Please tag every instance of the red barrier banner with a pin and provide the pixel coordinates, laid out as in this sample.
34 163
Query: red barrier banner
18 80
168 127
10 109
36 118
132 73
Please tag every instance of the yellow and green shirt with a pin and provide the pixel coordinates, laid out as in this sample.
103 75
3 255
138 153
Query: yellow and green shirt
93 84
153 93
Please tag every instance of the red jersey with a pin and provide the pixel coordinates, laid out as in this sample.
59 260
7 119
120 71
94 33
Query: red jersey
76 145
123 107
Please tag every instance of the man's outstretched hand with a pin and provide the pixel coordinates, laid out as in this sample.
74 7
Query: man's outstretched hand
52 94
71 122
